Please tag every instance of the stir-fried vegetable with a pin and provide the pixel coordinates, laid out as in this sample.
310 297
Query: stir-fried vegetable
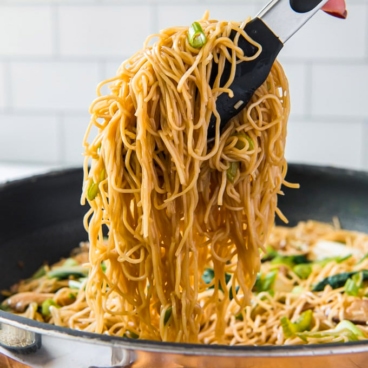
353 284
131 335
344 330
339 280
303 323
240 144
209 275
93 188
232 171
196 36
45 307
265 282
65 272
303 270
290 261
168 314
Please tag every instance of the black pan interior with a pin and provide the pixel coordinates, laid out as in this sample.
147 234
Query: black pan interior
41 217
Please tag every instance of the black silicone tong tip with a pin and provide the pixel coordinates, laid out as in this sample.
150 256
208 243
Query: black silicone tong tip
284 17
249 75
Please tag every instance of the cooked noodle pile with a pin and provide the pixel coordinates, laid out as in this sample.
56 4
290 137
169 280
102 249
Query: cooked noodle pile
166 204
312 288
172 204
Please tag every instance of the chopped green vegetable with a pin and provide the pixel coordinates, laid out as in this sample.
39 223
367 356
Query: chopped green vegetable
240 143
70 262
339 280
232 171
74 284
353 284
297 290
338 259
130 335
290 261
231 296
208 275
167 316
303 323
64 272
270 254
349 326
227 278
363 258
303 270
4 307
345 329
265 282
103 266
45 307
72 296
92 191
196 36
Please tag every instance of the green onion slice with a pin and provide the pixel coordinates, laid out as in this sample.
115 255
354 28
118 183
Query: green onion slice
45 307
303 323
232 171
167 316
196 36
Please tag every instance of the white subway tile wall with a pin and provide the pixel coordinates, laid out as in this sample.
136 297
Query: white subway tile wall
29 138
53 86
95 31
53 53
26 30
343 95
327 142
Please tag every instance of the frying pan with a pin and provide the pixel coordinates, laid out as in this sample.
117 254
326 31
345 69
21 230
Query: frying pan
41 220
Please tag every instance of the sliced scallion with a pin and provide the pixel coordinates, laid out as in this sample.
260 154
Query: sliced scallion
92 191
232 171
303 323
64 272
167 316
240 143
353 284
45 308
196 36
303 270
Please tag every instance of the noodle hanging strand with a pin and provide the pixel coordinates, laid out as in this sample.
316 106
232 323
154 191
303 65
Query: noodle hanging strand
170 204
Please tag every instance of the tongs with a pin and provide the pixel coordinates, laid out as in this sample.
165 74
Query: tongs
271 28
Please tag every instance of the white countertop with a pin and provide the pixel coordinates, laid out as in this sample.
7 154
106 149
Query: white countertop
14 171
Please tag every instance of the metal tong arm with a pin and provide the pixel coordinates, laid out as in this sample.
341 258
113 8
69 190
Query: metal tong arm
285 17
